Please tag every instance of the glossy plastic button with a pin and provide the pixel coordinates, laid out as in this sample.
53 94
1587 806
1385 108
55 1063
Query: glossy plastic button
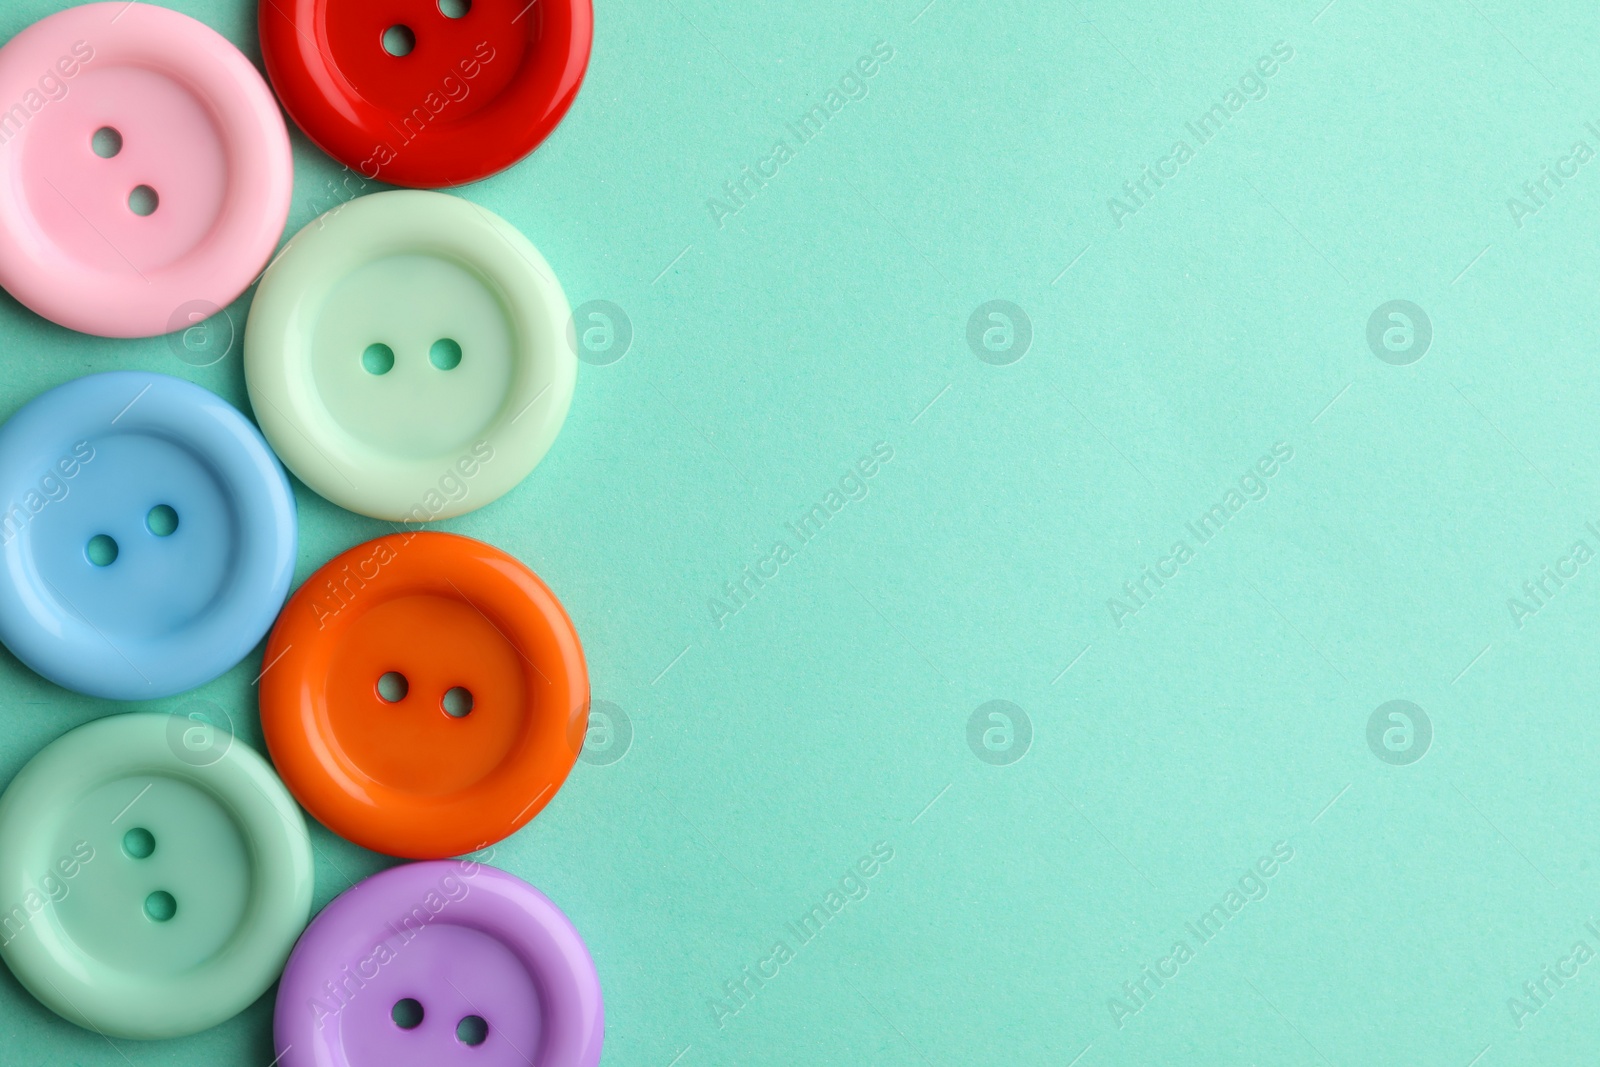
150 888
443 963
407 356
146 170
427 92
425 695
147 535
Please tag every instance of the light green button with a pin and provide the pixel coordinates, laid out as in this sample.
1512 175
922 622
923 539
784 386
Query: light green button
407 356
149 889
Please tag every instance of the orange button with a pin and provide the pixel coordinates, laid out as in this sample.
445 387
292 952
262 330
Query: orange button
425 695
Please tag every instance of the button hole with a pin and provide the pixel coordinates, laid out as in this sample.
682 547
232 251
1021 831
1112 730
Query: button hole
162 520
139 843
160 906
101 550
378 359
445 354
457 702
393 687
399 41
472 1030
143 201
106 142
407 1013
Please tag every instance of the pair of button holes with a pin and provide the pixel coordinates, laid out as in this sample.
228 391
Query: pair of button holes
140 844
393 687
471 1030
102 549
107 143
400 41
379 358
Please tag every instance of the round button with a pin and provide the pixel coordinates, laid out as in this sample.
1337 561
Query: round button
406 356
425 695
427 93
145 167
146 896
147 535
448 962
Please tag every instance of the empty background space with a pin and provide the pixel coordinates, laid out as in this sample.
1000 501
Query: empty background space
1165 733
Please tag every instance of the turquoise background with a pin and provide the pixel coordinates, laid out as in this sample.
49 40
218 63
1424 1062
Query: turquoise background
1226 718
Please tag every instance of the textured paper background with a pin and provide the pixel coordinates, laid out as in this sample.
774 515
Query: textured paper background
1176 339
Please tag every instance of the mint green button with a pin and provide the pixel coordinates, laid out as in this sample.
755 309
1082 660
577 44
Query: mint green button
407 356
150 887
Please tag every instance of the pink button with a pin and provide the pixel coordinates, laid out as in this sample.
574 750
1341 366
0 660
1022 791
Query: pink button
145 172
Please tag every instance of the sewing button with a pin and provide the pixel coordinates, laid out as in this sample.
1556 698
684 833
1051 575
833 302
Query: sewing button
427 93
448 962
147 535
407 356
424 695
145 165
145 894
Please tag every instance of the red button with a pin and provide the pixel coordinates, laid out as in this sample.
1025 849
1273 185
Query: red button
427 93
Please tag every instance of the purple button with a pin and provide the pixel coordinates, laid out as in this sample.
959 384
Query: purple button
439 963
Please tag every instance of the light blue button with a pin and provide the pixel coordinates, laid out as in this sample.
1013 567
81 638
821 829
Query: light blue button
147 536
